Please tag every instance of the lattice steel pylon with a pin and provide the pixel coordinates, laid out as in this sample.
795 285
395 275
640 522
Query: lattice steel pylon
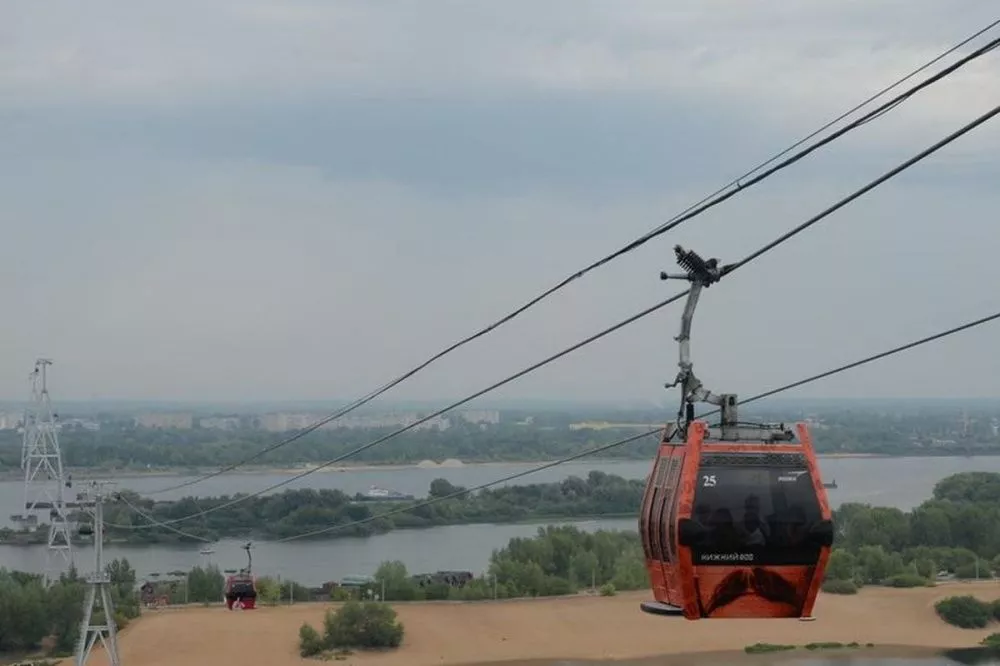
44 479
93 629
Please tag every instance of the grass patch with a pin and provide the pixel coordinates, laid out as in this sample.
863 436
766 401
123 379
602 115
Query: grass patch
763 648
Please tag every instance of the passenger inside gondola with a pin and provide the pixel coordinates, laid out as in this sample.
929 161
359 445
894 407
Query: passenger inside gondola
752 528
766 512
724 535
794 528
703 516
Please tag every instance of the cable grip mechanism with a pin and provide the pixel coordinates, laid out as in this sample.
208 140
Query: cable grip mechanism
702 273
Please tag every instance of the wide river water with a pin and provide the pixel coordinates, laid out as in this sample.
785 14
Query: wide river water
897 482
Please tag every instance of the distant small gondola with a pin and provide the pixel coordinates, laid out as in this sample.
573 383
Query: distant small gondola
240 591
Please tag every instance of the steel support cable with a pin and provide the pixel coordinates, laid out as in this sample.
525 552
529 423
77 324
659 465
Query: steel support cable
751 257
694 210
874 357
740 185
598 449
627 440
583 343
736 182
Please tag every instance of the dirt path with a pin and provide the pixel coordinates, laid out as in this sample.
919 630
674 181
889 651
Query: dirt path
580 627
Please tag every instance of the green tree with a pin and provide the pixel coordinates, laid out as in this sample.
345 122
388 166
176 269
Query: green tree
123 591
310 642
964 611
22 613
363 625
841 566
443 488
64 610
268 591
584 568
393 578
205 584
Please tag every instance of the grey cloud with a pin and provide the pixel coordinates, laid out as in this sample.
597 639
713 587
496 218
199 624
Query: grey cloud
561 141
303 199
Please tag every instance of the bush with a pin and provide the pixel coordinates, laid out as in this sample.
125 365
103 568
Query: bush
367 624
268 591
995 609
763 648
608 590
437 591
840 587
992 641
310 642
966 612
907 580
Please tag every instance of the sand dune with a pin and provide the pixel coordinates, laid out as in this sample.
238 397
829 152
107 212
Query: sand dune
580 627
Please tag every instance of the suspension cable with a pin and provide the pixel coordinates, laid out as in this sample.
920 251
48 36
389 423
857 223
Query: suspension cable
598 449
628 440
717 197
751 257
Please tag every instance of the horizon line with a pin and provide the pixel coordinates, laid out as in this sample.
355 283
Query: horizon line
620 403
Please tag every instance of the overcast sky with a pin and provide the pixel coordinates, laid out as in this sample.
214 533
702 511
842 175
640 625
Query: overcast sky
245 199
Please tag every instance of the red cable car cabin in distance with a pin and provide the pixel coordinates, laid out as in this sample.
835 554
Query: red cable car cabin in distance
241 591
735 529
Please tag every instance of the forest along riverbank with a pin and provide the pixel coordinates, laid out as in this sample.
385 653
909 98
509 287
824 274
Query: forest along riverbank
462 547
858 479
584 628
453 463
450 463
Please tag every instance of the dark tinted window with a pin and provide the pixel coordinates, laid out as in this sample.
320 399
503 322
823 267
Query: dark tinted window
755 515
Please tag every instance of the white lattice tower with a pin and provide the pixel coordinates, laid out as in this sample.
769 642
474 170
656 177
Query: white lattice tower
98 596
44 479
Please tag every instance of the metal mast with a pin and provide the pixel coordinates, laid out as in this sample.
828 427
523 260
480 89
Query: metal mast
44 479
102 628
702 273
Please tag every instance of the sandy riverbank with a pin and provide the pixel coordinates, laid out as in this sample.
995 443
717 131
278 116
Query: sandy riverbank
525 630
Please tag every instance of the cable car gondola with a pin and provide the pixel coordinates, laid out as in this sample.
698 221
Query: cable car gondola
240 591
735 521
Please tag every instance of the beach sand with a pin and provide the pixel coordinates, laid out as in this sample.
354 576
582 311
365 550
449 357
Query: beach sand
571 628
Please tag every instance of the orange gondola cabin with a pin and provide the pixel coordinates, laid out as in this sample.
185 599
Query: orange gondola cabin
734 521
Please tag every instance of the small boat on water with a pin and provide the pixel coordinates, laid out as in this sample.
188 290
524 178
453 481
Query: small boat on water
830 484
382 494
207 550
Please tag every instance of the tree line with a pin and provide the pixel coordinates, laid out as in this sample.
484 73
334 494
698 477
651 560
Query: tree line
954 533
32 614
557 560
548 436
296 511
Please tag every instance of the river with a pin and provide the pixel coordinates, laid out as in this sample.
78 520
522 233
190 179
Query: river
898 482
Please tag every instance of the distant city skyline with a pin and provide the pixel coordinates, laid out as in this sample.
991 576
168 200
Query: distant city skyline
226 408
